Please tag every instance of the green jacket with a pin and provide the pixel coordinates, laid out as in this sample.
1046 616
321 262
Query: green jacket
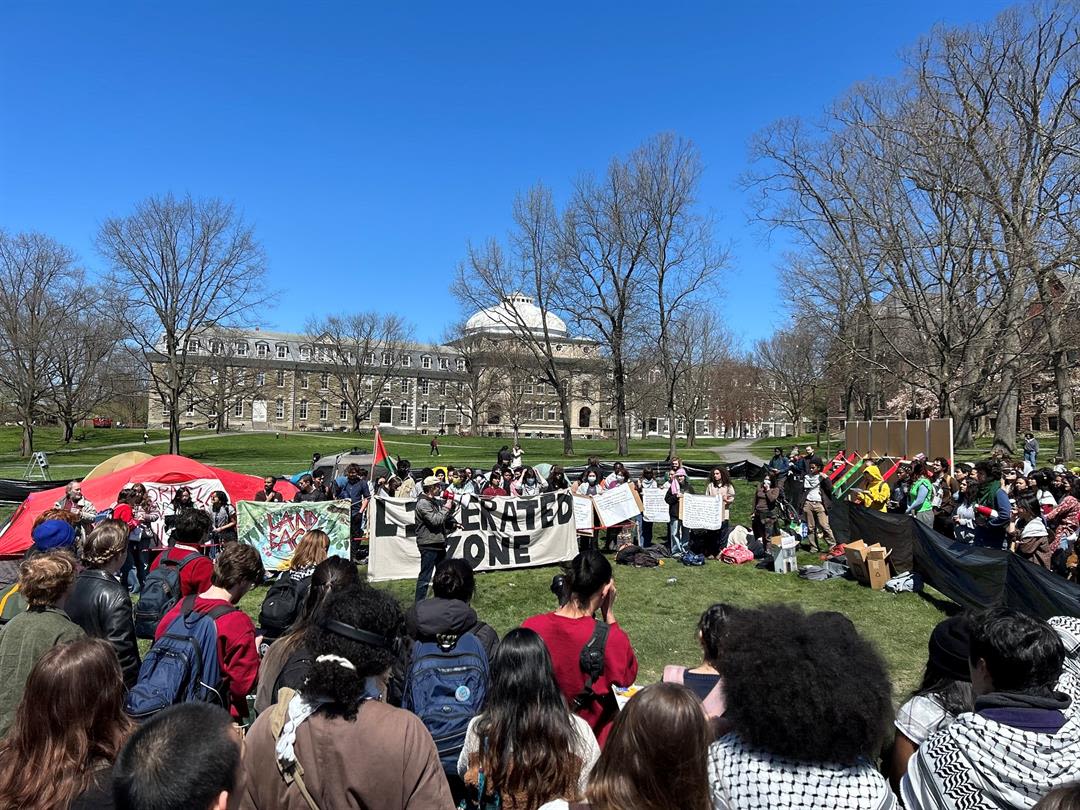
22 642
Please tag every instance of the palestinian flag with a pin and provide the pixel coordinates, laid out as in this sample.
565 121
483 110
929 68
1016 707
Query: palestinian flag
382 458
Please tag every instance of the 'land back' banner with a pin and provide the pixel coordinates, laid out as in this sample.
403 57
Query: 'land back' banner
493 534
275 529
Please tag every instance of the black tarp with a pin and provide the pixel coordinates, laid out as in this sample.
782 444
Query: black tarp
850 521
15 491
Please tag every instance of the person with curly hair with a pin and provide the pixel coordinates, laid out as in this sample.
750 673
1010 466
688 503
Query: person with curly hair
525 748
336 737
44 581
98 603
69 734
806 748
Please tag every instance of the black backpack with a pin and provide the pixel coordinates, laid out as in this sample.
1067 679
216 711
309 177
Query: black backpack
160 591
591 662
281 606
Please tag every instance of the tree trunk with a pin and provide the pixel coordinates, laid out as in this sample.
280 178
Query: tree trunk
1066 414
69 430
644 429
671 429
219 423
564 410
960 411
621 428
691 433
26 444
174 425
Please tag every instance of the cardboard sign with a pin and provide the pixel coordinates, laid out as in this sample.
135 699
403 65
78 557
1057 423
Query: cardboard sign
583 514
275 529
702 511
617 505
654 506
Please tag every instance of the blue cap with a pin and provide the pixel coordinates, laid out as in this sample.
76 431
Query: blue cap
53 534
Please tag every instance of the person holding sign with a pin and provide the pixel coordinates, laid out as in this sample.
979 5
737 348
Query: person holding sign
719 486
678 535
434 520
644 527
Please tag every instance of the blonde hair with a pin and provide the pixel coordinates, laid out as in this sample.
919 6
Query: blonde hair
107 541
45 578
311 550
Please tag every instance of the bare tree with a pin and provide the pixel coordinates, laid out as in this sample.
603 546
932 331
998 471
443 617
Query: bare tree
219 385
482 382
792 362
36 273
179 266
495 278
361 351
707 345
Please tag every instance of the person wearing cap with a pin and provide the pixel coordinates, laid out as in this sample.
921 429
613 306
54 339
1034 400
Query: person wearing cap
434 520
944 693
49 535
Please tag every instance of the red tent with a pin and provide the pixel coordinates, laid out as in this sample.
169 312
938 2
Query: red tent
161 475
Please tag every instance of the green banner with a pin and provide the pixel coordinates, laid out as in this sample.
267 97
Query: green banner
275 529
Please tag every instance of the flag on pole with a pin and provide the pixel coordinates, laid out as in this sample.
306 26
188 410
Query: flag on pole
382 458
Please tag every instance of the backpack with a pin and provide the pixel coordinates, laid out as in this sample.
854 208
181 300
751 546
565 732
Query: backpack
591 661
445 687
690 558
280 607
736 555
160 592
182 666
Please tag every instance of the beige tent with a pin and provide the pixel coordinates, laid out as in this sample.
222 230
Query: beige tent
118 462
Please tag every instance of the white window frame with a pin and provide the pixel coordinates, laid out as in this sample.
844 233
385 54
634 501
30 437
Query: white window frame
444 364
423 414
304 380
282 351
281 378
305 352
343 411
425 361
262 350
238 408
279 408
324 410
388 358
403 413
260 378
425 386
460 364
406 361
241 348
324 381
302 409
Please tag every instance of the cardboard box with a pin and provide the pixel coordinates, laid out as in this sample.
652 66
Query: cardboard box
869 564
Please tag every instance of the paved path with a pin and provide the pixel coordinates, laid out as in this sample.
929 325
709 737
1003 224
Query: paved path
738 450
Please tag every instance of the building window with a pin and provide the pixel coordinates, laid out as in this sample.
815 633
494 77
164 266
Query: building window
370 359
386 387
460 363
343 411
305 352
585 390
405 385
190 407
241 349
442 387
584 417
260 378
403 413
238 408
262 350
279 408
324 381
423 414
541 388
425 361
425 386
303 379
387 359
444 364
368 384
282 351
217 347
386 413
192 346
442 414
324 410
406 361
281 378
301 411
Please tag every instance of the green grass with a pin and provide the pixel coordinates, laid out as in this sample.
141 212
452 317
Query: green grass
660 618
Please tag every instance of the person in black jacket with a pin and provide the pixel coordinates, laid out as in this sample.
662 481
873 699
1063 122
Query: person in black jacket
98 603
448 612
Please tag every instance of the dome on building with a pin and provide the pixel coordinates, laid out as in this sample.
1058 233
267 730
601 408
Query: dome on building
508 316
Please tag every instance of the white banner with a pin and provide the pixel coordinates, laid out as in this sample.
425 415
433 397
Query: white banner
493 534
616 505
703 511
655 507
161 495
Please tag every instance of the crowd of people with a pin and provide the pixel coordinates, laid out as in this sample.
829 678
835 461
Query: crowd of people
335 695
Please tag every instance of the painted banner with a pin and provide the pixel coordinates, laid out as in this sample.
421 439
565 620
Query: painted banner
655 507
493 534
275 529
161 496
617 505
702 511
583 514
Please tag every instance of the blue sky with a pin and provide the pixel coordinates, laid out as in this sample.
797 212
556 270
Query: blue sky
369 143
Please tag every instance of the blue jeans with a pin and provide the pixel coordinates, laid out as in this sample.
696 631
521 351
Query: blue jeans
644 532
429 558
676 537
1030 458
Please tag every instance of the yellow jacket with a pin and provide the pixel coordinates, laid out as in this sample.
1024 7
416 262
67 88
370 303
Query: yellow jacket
877 494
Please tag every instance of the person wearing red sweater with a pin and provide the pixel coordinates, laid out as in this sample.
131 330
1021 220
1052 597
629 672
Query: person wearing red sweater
237 570
591 588
191 530
494 488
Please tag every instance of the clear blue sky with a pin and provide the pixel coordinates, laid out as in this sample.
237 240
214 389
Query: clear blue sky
368 143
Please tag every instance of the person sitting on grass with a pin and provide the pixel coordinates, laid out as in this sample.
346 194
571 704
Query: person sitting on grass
591 589
526 744
1022 740
811 747
704 680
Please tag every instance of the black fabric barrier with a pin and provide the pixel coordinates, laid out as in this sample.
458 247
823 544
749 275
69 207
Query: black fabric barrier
850 521
14 491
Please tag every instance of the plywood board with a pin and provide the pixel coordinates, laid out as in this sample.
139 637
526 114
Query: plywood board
897 441
941 439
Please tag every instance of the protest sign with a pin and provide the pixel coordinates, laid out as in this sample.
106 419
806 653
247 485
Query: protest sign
493 534
617 505
702 511
275 529
160 497
583 514
655 507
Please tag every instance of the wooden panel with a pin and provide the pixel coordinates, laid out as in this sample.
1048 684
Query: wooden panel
879 439
863 438
851 435
940 438
897 442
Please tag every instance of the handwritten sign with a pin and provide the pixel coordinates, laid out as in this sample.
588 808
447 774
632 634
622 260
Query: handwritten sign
655 507
617 505
275 529
583 514
703 511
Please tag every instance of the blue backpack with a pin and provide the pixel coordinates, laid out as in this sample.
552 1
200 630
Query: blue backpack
445 688
182 666
159 593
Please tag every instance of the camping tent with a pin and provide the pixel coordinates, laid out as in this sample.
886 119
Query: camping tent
121 461
161 475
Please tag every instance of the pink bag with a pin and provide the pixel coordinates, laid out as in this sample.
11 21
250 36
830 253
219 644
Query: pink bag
736 555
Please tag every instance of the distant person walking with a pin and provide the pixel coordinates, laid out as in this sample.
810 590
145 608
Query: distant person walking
434 446
1031 450
145 437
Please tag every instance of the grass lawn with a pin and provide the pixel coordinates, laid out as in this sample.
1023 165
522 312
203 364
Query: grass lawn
659 617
